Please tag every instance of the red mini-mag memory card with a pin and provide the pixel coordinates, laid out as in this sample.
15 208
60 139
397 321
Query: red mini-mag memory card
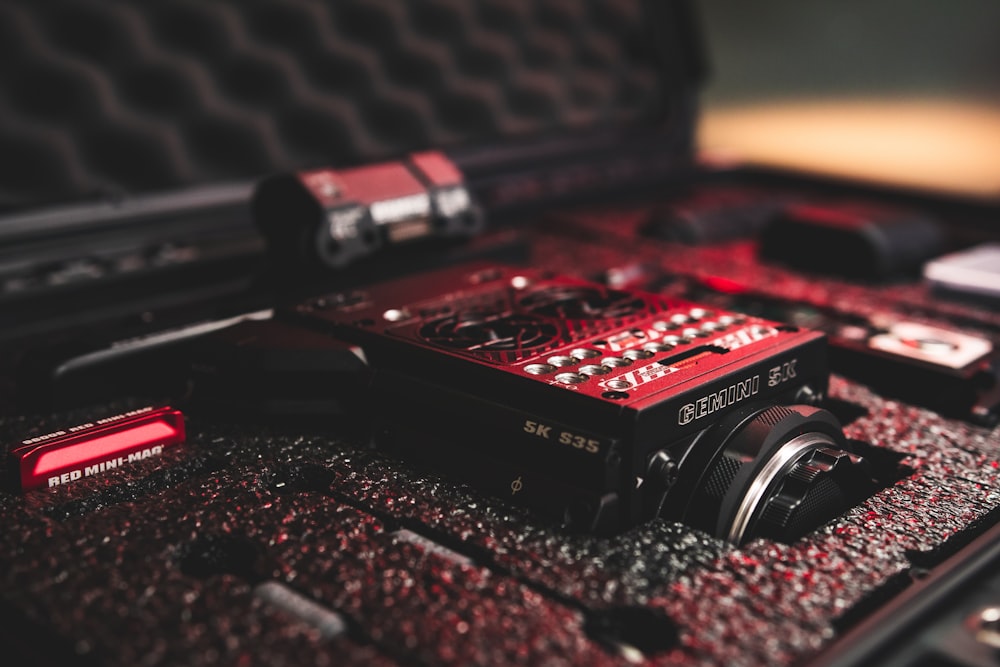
93 448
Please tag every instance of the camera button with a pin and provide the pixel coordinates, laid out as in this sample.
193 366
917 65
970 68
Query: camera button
395 315
689 334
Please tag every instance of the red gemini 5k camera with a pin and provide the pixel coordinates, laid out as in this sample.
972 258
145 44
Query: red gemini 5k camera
600 407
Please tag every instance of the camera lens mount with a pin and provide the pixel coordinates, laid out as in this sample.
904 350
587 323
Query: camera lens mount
774 471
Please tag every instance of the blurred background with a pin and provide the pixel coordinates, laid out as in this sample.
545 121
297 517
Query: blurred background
883 89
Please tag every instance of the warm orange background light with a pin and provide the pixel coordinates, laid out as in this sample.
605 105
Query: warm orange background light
926 143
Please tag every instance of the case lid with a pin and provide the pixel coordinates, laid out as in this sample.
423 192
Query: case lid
106 98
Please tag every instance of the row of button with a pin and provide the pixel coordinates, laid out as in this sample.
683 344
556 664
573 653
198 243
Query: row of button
678 320
608 364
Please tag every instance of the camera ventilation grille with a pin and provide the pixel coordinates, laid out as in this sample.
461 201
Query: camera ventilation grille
510 335
584 303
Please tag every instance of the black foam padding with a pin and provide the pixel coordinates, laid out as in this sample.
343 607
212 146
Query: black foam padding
118 98
160 560
157 563
115 554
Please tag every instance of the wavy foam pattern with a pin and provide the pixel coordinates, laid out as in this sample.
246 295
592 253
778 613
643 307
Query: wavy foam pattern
102 97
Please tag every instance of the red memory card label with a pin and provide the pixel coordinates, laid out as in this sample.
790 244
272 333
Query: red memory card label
67 455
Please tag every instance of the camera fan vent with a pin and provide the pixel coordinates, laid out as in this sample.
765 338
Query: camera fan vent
485 334
584 303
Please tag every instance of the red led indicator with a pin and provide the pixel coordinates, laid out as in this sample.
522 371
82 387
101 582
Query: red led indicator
90 449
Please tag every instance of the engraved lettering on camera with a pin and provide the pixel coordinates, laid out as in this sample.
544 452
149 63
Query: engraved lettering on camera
714 402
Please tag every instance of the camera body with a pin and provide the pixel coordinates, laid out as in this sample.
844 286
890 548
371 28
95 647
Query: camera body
599 407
